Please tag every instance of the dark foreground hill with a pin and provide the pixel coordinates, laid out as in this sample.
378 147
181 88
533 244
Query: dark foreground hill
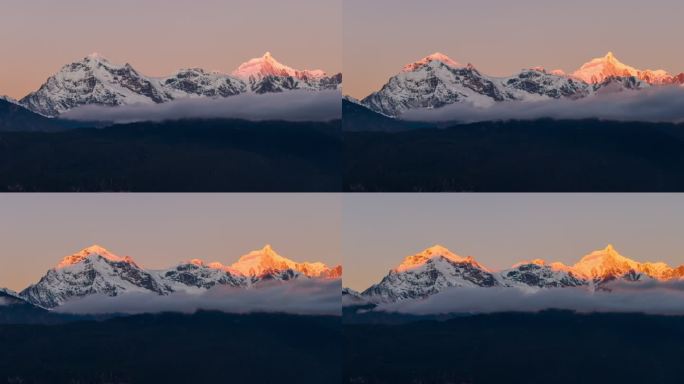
206 347
549 347
14 117
519 156
178 156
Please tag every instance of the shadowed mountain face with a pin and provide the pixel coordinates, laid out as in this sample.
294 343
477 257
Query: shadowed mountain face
172 348
549 347
186 155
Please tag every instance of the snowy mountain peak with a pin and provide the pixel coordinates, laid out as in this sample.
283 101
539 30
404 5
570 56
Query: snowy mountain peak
93 80
267 65
608 262
434 252
598 69
93 270
435 57
428 272
266 261
85 253
96 57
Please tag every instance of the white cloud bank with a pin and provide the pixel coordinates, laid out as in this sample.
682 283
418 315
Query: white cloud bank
289 106
658 104
302 297
650 298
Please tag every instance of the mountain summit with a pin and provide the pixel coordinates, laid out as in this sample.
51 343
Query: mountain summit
598 69
267 65
432 253
93 270
437 56
608 263
92 251
93 80
266 260
428 272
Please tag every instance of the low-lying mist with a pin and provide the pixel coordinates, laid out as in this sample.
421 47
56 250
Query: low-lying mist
301 297
288 106
654 105
658 298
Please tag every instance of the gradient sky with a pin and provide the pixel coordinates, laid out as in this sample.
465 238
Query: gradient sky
160 230
501 37
500 230
37 37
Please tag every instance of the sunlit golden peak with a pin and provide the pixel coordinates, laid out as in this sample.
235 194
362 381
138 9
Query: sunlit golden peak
267 65
601 68
434 252
437 56
93 250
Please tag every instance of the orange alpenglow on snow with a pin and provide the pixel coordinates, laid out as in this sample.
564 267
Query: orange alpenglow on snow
267 65
92 251
600 264
434 252
437 56
265 260
255 263
598 69
608 262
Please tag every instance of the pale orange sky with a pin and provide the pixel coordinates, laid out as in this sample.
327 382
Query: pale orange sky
157 37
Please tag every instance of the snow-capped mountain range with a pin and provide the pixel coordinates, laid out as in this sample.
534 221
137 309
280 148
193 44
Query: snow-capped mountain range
95 270
94 80
436 269
437 80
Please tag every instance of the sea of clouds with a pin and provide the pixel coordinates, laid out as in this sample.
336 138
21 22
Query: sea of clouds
653 297
657 104
302 297
287 106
